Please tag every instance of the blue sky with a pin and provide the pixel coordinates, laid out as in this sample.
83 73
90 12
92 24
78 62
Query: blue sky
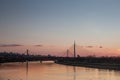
60 22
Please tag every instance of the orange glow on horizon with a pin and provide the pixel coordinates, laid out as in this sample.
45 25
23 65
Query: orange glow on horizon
59 50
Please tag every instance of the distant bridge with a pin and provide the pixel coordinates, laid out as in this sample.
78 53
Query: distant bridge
49 58
68 54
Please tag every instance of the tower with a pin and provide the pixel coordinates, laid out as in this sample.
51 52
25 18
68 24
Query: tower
27 52
67 53
74 49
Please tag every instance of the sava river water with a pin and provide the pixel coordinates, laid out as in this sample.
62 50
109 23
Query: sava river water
53 71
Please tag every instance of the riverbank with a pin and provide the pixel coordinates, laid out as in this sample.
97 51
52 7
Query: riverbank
92 65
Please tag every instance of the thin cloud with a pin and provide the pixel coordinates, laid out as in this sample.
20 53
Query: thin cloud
10 45
100 47
89 46
38 45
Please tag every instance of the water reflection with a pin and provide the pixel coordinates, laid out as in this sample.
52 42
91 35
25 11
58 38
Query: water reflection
52 71
74 70
26 70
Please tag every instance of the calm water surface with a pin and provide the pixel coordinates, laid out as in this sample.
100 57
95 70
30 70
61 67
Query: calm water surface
52 71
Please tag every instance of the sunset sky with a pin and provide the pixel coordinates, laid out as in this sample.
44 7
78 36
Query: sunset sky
51 26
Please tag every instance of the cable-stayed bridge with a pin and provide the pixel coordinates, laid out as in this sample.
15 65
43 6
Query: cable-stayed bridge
71 52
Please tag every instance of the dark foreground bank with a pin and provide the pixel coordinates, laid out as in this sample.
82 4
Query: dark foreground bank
101 63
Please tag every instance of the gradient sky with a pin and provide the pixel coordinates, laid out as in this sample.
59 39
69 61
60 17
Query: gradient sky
55 24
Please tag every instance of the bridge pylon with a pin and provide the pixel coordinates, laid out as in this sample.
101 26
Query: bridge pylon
67 52
74 50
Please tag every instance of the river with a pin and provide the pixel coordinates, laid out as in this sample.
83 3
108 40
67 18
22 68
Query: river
52 71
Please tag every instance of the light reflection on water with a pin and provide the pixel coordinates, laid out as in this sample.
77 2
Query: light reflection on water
52 71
